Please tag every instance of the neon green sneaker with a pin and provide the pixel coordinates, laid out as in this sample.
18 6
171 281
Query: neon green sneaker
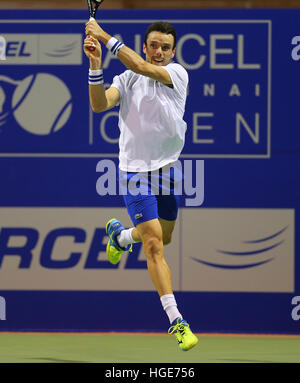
113 250
185 338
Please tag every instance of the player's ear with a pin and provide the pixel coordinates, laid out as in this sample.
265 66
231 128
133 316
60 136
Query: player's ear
144 48
173 52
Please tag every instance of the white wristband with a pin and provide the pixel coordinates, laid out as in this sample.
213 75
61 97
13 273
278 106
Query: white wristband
114 46
95 76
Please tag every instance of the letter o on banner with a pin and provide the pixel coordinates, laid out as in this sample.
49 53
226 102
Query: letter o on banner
102 128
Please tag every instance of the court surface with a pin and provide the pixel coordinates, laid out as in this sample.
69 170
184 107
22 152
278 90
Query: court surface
145 348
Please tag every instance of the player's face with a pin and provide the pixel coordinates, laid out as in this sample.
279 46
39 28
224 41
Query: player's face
159 48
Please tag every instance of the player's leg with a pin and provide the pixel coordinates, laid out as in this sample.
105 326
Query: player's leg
152 238
168 211
131 235
167 229
151 234
153 231
143 211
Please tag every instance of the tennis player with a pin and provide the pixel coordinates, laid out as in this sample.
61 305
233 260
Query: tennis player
152 96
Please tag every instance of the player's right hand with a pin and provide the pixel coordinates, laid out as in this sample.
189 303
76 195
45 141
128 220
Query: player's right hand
92 28
95 54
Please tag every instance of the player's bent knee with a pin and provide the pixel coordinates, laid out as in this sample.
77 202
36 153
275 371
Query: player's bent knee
152 247
152 244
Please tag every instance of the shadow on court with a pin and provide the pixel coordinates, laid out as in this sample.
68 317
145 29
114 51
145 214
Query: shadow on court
54 360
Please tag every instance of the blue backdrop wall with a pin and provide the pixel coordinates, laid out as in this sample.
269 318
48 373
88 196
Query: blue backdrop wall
234 258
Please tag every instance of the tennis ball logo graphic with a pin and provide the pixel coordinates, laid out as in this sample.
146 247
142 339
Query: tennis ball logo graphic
41 104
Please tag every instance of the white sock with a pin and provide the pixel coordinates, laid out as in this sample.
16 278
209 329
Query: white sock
170 306
125 237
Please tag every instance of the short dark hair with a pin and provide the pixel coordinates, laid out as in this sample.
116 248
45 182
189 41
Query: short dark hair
163 27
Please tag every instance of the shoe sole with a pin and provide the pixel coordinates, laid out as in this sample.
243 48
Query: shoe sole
192 345
110 260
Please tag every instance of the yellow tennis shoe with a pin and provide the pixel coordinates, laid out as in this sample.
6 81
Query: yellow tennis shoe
113 250
185 338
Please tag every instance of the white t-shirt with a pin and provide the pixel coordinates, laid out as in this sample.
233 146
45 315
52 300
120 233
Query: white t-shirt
152 130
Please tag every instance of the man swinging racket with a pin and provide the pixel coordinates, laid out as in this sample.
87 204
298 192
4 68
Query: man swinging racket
152 96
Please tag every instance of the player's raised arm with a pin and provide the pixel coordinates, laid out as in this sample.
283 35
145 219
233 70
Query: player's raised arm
100 99
159 52
138 65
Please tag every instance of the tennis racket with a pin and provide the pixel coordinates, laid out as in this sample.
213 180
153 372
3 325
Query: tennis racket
93 5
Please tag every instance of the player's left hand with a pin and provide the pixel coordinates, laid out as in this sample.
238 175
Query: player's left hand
95 54
92 28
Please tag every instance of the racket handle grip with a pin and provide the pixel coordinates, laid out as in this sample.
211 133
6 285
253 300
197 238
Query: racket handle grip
92 47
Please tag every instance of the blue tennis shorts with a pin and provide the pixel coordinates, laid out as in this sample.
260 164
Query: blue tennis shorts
150 195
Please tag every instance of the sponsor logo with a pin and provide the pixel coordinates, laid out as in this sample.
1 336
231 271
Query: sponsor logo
36 114
60 237
64 50
235 61
238 250
268 244
42 49
65 249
